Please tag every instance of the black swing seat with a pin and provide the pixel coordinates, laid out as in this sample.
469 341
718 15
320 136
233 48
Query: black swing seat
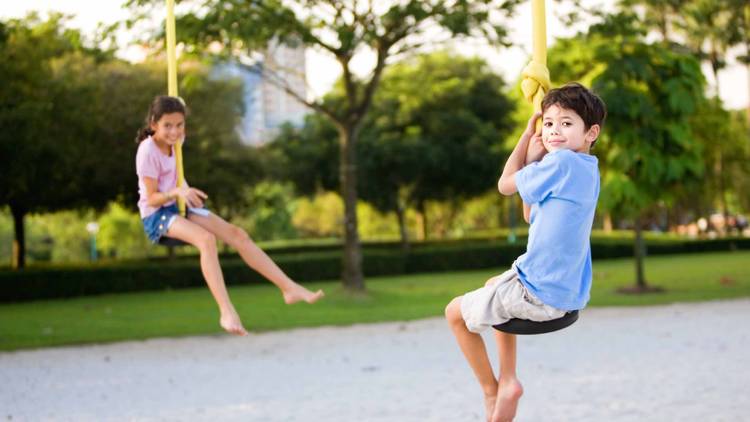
171 241
524 326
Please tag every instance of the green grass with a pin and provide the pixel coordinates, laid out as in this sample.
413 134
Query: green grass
686 278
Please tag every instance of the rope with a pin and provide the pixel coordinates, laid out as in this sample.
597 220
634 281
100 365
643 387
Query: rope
536 81
172 91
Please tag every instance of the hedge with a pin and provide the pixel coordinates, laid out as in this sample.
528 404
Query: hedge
62 282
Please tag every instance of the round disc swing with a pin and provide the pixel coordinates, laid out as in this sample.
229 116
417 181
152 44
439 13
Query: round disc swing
172 91
525 326
536 83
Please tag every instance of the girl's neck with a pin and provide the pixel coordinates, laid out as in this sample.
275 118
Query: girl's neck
165 148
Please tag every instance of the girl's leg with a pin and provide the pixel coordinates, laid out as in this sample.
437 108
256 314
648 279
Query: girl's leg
205 241
238 238
509 389
473 348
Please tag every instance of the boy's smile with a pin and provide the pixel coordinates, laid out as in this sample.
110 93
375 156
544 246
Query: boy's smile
563 128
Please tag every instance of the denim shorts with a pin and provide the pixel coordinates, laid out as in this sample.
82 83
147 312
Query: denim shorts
157 224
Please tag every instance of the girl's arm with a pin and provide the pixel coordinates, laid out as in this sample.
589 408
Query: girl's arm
155 198
194 197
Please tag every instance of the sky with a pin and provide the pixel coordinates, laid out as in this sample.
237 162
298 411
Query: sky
322 71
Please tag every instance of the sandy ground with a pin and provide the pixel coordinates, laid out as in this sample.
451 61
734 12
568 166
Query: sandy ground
687 362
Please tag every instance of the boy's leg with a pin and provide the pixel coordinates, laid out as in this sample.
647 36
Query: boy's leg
509 389
473 348
205 241
253 256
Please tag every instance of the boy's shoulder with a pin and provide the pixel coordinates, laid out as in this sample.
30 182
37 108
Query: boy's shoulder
566 158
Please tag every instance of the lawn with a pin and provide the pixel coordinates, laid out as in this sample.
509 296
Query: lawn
133 316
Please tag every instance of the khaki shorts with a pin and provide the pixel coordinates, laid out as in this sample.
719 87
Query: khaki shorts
503 298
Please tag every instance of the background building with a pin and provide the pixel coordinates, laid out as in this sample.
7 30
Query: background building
267 105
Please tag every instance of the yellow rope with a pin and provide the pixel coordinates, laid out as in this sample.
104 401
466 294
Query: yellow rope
536 80
172 91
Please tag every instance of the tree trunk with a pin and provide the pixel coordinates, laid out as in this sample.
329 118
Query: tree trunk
19 240
722 186
401 215
748 89
639 254
715 68
352 276
422 220
607 223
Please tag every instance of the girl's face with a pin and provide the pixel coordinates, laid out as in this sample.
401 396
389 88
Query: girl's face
563 128
169 129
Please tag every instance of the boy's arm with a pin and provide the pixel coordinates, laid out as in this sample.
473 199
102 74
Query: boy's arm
507 183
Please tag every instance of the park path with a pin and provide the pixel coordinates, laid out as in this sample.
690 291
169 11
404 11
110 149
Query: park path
664 363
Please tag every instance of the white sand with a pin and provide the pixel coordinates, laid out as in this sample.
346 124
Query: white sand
688 362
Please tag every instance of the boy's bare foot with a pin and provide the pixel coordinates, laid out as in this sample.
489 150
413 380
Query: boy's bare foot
509 391
230 322
297 293
489 406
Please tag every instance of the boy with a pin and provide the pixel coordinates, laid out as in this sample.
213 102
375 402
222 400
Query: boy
559 183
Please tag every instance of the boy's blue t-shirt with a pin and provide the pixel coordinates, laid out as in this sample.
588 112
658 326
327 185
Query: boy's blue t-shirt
562 190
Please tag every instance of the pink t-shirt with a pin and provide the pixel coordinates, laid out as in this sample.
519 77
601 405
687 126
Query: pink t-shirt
151 162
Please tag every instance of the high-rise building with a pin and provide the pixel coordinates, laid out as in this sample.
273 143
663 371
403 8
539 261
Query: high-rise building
267 104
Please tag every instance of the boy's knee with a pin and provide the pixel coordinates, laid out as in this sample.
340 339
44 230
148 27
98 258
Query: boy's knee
453 310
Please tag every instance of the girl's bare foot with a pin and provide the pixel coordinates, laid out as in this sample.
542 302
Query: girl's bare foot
297 293
230 322
509 391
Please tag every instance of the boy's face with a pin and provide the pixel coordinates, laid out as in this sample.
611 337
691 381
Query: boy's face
170 128
563 128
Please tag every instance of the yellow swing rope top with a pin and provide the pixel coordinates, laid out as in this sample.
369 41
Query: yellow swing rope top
536 80
172 91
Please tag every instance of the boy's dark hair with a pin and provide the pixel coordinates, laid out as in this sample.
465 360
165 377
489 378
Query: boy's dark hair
580 99
161 105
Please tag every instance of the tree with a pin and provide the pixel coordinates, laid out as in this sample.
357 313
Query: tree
648 149
438 140
36 63
342 29
708 28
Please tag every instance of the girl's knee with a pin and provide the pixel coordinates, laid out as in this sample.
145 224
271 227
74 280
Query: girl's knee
206 241
238 234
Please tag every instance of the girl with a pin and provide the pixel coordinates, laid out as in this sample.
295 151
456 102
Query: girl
157 186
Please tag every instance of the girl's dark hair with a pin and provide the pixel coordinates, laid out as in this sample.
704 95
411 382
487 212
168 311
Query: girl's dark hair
161 105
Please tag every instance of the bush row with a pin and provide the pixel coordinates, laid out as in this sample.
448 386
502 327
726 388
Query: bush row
46 283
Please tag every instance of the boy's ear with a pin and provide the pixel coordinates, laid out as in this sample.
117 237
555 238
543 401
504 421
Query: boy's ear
593 133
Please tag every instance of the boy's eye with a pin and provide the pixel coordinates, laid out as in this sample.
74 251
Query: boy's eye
547 124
